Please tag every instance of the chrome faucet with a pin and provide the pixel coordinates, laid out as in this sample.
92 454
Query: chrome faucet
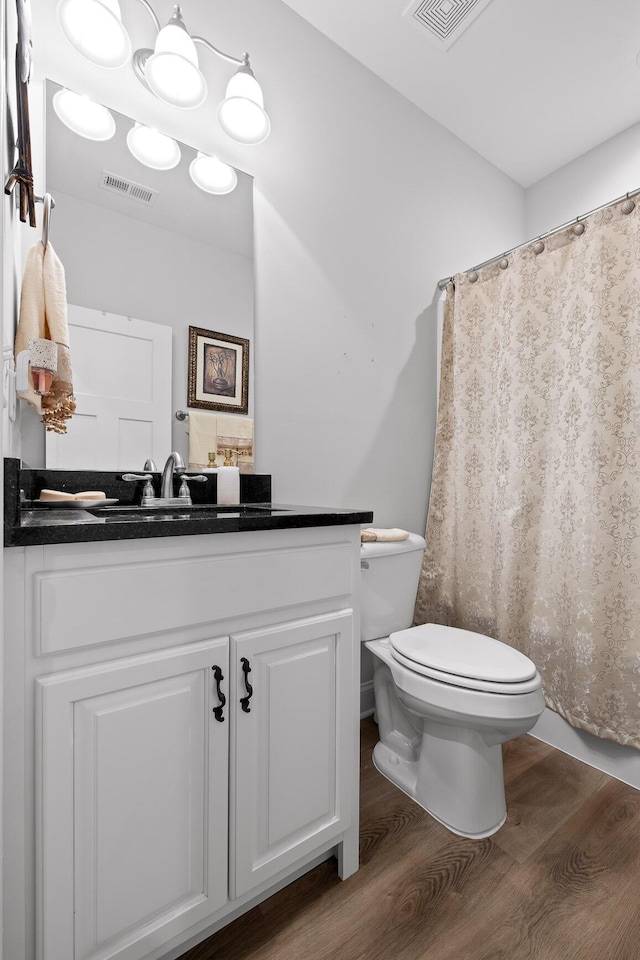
174 465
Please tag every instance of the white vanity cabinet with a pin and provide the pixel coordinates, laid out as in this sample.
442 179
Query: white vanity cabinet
156 811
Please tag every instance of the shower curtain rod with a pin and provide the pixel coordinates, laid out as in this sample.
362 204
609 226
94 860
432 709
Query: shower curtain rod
625 196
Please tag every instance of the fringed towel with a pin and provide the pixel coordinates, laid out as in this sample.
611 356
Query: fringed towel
43 315
236 434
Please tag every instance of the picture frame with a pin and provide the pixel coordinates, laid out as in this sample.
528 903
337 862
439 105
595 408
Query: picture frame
218 376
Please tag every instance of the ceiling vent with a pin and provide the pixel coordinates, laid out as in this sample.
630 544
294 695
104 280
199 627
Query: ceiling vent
443 21
127 188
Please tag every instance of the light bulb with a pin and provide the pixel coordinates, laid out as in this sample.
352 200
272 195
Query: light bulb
153 148
94 28
244 84
173 38
175 80
172 70
241 114
244 120
84 116
212 175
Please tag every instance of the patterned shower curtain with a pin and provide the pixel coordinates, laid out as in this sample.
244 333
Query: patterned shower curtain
533 534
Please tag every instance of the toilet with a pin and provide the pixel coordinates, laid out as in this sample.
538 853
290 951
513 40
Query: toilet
446 699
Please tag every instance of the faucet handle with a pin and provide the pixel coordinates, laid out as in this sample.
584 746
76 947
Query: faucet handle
148 492
185 480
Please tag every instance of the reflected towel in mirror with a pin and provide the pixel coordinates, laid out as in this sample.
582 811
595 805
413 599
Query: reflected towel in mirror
236 434
209 433
203 438
43 316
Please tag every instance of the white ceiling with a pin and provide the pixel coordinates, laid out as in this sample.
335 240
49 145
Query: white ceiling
530 84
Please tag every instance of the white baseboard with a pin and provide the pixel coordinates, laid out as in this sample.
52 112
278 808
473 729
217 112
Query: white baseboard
367 703
618 761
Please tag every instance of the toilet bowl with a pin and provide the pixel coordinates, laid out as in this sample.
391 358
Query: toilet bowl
446 700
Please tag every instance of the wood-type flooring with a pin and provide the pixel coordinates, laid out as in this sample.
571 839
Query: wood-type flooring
560 880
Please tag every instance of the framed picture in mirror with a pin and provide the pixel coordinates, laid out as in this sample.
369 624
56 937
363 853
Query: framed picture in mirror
218 371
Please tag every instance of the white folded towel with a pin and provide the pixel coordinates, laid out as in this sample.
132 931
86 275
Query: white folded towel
371 534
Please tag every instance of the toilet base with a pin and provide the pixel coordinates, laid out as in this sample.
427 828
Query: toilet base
404 774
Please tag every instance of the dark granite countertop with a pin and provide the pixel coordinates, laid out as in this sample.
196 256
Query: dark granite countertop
28 522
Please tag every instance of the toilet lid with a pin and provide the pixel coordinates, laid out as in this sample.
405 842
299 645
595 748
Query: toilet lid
464 658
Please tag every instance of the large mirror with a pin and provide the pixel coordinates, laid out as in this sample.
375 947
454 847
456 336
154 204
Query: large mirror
149 245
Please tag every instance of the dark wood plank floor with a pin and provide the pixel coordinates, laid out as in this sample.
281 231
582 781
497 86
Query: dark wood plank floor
560 880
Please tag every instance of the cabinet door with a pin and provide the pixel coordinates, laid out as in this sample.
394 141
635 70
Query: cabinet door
132 802
291 790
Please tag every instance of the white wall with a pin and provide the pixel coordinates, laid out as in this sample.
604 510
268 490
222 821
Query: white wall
362 204
10 225
599 176
121 265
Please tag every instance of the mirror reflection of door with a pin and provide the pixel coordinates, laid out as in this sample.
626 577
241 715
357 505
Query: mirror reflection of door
122 381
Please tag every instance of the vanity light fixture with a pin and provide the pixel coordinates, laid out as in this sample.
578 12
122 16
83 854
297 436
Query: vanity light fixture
84 116
154 149
212 175
171 70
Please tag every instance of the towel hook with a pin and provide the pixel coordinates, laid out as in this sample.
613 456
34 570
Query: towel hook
49 204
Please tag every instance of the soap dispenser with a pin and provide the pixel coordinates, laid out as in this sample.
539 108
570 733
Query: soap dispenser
212 466
228 481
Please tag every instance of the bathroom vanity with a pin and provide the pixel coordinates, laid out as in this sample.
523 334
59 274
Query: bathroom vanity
182 727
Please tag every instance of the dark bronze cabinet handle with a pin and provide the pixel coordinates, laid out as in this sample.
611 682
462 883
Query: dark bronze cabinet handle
246 669
217 711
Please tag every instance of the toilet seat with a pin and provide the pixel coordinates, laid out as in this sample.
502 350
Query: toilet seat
464 659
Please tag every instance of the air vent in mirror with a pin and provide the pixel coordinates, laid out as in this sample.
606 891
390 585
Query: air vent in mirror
127 188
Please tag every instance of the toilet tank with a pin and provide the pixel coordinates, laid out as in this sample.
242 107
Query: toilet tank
390 573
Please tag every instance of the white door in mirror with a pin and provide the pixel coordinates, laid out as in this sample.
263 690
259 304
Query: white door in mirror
122 379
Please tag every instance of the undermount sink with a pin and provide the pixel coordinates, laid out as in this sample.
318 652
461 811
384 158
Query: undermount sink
185 511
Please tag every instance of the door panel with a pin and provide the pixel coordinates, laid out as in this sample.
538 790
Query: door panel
290 788
133 750
122 382
139 802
